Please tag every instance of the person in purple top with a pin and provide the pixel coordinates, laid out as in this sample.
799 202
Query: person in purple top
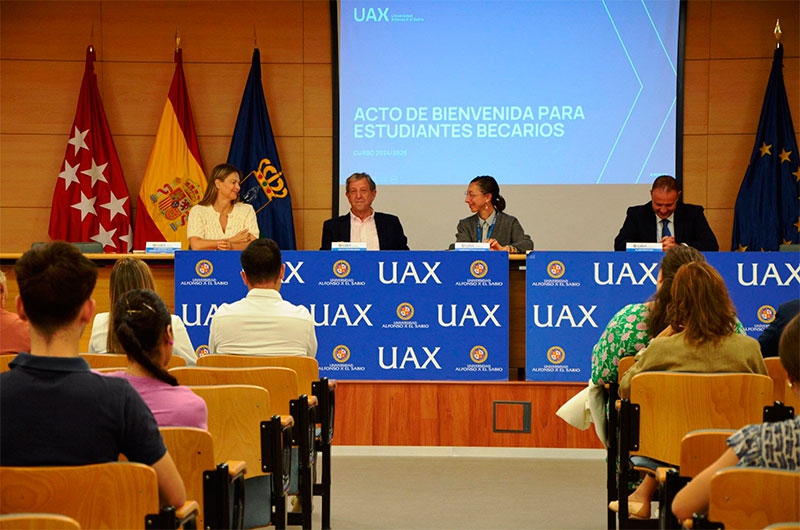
143 326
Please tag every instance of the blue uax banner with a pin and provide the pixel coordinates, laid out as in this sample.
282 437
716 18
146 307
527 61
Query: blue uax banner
571 296
379 315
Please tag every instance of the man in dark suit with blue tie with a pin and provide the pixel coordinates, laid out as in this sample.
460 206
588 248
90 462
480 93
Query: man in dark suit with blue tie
380 231
666 220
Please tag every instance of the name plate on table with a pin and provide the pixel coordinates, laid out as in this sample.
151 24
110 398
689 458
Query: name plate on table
643 247
463 245
162 247
348 245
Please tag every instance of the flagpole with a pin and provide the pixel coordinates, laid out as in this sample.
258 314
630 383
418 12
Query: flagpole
778 34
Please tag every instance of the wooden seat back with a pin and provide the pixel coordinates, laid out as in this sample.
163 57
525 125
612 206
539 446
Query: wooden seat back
38 521
110 495
5 360
780 390
307 368
106 360
753 497
624 364
281 383
192 450
235 413
673 404
700 449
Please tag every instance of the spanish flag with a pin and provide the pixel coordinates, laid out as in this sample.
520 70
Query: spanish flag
174 180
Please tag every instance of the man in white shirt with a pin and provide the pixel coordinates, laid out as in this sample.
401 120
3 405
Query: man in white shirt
380 231
262 323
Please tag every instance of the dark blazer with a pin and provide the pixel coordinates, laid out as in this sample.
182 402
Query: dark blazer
771 336
507 231
691 227
390 231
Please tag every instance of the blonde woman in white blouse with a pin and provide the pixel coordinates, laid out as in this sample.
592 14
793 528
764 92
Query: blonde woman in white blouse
219 221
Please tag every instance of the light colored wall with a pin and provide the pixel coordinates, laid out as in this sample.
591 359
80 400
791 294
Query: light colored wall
42 48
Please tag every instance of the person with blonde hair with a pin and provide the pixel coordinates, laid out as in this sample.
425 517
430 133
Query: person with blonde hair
126 275
773 445
219 221
701 337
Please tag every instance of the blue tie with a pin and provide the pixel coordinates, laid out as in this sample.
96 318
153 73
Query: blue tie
665 228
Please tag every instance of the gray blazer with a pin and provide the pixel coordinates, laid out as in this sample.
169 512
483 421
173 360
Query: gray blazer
507 231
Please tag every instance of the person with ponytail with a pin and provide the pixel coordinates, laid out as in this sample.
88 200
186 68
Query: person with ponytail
143 327
490 223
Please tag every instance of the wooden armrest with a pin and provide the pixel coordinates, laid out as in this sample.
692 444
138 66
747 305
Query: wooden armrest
661 474
332 384
618 404
236 467
687 523
312 401
287 421
188 509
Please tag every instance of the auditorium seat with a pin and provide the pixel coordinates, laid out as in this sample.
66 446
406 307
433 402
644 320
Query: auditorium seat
309 382
780 390
249 431
664 406
612 395
282 385
110 495
218 487
38 521
5 360
743 498
106 360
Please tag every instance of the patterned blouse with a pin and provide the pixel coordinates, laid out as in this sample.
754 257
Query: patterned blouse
775 445
626 334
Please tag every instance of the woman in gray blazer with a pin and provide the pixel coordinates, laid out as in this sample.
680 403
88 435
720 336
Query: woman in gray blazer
489 222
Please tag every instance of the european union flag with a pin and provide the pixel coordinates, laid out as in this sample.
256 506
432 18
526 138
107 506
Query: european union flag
253 151
767 210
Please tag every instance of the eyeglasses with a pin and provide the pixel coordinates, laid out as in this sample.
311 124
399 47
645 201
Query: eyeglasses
473 195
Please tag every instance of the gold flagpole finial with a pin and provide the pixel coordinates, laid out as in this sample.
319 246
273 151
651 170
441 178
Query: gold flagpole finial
255 37
177 40
778 33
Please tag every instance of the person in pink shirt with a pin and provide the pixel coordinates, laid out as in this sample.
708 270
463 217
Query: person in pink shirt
144 330
14 332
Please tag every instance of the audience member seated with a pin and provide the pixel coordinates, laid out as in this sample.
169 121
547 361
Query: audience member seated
380 231
632 328
128 274
774 445
490 223
14 334
666 220
219 221
772 334
700 337
144 330
262 323
53 410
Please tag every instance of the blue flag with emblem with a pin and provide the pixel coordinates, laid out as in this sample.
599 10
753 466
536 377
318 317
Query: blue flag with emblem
254 152
767 210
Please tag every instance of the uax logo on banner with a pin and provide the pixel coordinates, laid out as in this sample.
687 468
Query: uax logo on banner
758 276
766 314
418 273
350 315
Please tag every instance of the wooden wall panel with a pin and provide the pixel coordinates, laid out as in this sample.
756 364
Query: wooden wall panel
738 85
218 32
721 222
135 44
39 97
744 29
698 29
454 414
695 99
316 32
728 157
59 31
30 164
695 169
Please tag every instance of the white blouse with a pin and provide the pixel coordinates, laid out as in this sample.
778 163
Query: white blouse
204 221
182 348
